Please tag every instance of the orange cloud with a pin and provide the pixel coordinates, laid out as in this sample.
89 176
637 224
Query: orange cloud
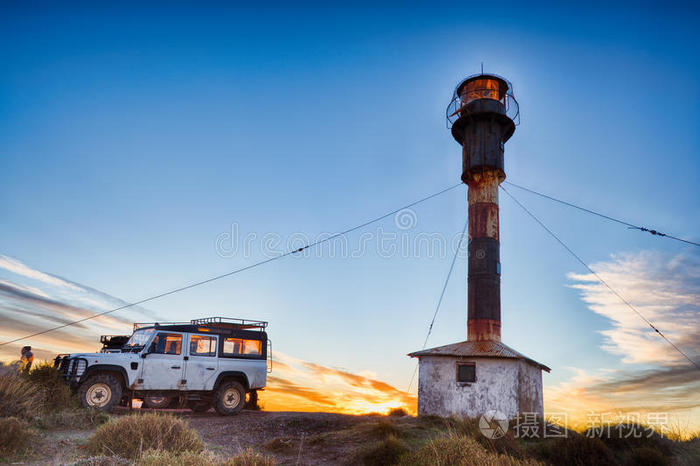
305 386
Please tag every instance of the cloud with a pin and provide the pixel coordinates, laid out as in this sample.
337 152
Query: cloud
306 386
665 290
656 378
18 268
32 301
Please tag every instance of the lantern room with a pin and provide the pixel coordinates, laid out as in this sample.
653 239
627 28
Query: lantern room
482 87
482 96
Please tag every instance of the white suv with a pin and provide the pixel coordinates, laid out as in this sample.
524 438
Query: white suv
205 362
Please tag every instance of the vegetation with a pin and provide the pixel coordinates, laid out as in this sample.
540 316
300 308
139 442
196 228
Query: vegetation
19 397
397 412
15 436
33 405
387 451
130 436
42 399
458 449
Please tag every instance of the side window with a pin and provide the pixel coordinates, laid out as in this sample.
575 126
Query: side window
239 346
167 343
201 345
466 372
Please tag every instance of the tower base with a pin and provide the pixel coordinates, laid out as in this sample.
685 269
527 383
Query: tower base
470 378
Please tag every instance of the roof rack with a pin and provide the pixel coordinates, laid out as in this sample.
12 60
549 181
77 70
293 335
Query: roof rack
211 322
227 322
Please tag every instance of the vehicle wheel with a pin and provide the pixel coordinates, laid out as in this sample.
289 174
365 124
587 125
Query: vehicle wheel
101 392
199 406
252 400
157 402
230 398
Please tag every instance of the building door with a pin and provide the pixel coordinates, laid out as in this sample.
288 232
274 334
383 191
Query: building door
163 367
202 363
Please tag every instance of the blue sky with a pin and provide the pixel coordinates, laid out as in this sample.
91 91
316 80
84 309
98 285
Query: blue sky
131 137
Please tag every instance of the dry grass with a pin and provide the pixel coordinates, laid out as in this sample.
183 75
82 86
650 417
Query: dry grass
385 428
397 412
42 398
15 436
575 450
130 436
19 397
102 461
249 457
280 445
55 393
384 452
246 457
459 449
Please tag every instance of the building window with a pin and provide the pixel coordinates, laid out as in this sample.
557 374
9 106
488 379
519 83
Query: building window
466 372
201 345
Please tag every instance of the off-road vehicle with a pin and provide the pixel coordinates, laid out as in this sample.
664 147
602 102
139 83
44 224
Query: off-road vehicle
207 362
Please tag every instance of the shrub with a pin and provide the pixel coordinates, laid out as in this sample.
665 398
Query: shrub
469 427
42 398
385 452
19 397
102 461
576 450
647 456
633 436
55 393
398 412
458 449
15 436
384 429
249 457
129 436
74 418
280 445
166 458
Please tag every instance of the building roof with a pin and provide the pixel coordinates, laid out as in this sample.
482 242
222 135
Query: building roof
477 349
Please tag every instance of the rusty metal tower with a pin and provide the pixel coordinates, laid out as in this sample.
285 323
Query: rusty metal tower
483 115
481 374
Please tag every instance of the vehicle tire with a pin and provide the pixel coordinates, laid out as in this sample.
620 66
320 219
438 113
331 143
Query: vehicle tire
229 398
102 391
157 402
252 401
199 406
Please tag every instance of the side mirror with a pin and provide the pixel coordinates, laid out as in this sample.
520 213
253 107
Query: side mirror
143 355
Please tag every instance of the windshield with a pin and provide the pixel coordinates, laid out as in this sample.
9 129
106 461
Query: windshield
139 338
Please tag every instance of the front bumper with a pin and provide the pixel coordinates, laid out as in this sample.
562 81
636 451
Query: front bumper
71 369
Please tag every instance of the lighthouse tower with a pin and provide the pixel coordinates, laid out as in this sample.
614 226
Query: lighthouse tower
481 374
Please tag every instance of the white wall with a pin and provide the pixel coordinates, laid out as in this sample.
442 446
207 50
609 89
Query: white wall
510 386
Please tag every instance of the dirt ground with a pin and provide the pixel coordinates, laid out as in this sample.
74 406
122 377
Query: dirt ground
288 437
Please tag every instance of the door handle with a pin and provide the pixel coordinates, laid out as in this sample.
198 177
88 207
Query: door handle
211 368
175 367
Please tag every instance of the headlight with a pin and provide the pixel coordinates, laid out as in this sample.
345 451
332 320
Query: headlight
81 365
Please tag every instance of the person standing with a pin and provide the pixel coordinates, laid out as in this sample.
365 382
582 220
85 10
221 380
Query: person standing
26 360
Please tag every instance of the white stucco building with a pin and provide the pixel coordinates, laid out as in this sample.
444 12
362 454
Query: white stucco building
472 377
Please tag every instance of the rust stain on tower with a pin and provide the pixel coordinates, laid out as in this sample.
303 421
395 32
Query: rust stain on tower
483 115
